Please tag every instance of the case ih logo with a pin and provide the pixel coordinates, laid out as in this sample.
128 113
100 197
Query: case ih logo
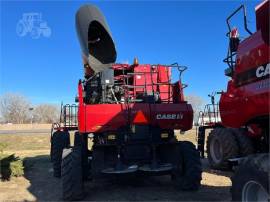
169 116
263 71
253 75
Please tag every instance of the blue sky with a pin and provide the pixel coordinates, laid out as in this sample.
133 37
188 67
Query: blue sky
189 32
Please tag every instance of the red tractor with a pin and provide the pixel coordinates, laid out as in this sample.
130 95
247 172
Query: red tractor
128 113
240 121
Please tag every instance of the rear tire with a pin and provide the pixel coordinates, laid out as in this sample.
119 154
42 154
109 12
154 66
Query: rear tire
251 180
221 146
72 182
246 146
59 141
188 172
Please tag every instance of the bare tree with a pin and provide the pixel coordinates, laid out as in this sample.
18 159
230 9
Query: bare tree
197 103
14 108
45 113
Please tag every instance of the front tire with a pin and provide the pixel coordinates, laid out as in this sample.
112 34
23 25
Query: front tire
187 174
72 181
221 146
251 180
59 141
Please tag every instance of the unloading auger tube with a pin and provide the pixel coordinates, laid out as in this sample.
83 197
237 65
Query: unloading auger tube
95 38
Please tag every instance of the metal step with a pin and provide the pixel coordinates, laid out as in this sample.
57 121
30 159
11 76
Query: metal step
156 168
122 170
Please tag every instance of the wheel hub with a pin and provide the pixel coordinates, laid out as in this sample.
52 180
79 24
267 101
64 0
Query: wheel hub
254 191
216 151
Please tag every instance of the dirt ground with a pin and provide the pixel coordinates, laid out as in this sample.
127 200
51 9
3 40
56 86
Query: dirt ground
38 184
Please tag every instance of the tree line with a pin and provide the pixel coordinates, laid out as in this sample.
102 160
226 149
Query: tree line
17 109
197 103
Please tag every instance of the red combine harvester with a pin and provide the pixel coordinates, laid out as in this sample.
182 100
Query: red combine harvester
240 122
128 112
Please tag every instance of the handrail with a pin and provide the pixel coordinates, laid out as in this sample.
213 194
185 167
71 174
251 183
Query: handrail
245 19
210 115
230 59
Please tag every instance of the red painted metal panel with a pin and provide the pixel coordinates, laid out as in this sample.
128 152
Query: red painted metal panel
105 117
143 77
81 109
172 116
251 53
240 105
109 117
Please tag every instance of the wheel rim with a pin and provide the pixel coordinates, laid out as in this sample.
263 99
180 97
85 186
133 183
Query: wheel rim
216 151
254 191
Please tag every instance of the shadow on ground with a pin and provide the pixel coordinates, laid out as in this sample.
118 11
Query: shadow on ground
43 186
208 169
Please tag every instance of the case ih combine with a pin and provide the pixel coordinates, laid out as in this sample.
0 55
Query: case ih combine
129 112
242 129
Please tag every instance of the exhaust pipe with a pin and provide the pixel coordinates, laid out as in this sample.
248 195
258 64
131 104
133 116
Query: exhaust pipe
95 38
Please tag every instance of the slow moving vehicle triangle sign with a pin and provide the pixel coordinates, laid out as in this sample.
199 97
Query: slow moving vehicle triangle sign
140 118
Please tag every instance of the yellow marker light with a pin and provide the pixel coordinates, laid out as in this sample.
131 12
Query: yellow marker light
111 137
96 127
164 135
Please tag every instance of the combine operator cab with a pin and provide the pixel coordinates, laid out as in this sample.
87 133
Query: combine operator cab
128 113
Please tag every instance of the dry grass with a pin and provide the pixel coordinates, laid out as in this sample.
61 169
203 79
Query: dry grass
17 142
24 126
25 145
39 143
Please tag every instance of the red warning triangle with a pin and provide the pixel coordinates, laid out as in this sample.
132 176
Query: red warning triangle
140 118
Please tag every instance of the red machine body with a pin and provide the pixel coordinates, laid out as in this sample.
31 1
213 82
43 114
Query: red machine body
127 112
170 112
247 97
